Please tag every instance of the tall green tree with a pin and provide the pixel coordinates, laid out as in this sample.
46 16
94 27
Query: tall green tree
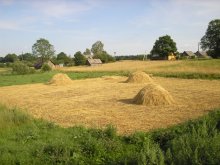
79 58
63 58
97 47
211 40
163 46
27 57
10 58
43 49
87 52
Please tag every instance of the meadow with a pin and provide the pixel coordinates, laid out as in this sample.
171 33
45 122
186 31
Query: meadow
93 121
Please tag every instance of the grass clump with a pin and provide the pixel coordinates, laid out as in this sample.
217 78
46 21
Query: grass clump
46 68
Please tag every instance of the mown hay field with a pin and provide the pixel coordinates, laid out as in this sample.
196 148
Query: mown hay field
190 66
98 102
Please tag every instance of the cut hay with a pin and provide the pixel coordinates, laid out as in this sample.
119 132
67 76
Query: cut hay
60 79
153 94
139 77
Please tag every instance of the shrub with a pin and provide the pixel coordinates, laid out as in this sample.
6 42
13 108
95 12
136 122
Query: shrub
2 65
46 68
21 68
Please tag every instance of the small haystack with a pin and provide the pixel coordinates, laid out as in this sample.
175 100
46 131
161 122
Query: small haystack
153 94
60 79
139 77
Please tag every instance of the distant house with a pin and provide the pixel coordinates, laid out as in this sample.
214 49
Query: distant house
202 54
188 54
40 63
93 62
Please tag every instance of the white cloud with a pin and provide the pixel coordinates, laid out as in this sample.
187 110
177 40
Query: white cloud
60 9
9 25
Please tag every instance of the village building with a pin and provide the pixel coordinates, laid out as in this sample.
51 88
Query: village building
40 63
188 54
202 54
94 62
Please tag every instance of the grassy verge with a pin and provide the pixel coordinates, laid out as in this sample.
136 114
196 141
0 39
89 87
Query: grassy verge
12 79
207 76
24 140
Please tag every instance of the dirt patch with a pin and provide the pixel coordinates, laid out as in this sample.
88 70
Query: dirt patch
98 102
153 94
139 77
60 79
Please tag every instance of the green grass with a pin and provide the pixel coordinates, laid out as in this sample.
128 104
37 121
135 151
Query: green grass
12 79
188 75
24 140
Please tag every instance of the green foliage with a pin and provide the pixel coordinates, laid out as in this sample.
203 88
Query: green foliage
163 46
2 65
87 52
104 57
194 142
211 39
11 58
97 48
21 68
131 57
79 58
46 68
24 140
43 49
62 58
27 57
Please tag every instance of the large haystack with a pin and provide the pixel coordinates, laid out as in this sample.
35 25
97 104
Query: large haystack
139 77
60 79
153 94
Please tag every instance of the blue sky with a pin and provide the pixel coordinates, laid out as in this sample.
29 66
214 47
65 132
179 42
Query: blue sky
124 26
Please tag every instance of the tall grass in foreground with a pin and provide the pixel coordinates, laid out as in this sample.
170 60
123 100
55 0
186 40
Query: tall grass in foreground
24 140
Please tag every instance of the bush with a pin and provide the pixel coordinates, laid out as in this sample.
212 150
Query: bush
21 68
46 68
2 65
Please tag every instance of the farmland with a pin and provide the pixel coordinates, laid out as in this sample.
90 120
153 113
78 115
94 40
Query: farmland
96 109
98 102
182 66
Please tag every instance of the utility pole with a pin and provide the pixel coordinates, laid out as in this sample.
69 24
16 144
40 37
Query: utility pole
198 46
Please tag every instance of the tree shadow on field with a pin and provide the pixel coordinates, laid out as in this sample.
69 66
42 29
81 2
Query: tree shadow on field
126 101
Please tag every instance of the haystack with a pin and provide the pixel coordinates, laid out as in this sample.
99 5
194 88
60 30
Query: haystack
153 94
60 79
139 77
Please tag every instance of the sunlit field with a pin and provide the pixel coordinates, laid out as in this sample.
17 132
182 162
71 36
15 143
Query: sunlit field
190 66
98 102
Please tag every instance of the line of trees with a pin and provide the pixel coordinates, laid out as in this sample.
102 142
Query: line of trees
162 47
43 50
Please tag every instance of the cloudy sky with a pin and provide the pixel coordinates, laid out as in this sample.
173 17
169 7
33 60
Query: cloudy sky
124 26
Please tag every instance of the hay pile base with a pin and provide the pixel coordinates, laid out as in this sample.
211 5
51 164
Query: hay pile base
153 94
139 77
60 79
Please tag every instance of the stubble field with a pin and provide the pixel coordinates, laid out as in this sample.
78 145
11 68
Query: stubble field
98 102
